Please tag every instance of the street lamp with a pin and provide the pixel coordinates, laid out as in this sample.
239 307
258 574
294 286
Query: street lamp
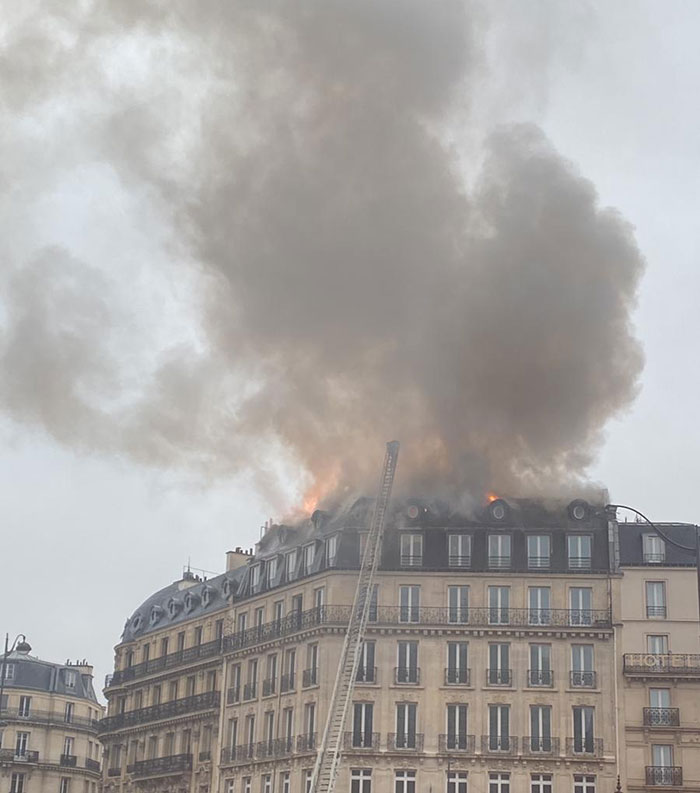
20 643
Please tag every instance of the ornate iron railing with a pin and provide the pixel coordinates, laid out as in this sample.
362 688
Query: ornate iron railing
233 695
538 746
44 717
662 664
11 756
287 682
366 674
307 742
662 717
164 662
499 677
172 764
668 775
269 686
590 747
310 677
166 710
360 740
457 676
404 741
92 765
540 677
457 743
68 760
581 679
407 675
499 744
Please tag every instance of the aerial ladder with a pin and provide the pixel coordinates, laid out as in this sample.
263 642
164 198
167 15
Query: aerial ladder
329 752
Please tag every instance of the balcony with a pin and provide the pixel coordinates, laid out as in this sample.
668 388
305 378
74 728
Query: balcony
68 760
269 686
250 691
12 756
404 741
538 746
411 560
656 611
664 775
165 662
92 765
166 710
457 676
455 560
366 674
457 743
287 683
274 748
499 677
499 562
499 744
667 665
654 558
541 678
539 562
307 742
161 766
406 675
579 563
581 679
204 756
114 771
584 747
243 753
661 717
44 717
233 695
360 741
310 677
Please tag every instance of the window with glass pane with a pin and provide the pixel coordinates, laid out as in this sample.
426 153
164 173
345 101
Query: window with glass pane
539 605
580 551
457 663
457 727
456 782
407 662
459 550
373 604
498 672
331 550
291 565
411 550
653 549
656 598
308 775
540 672
361 780
580 600
458 604
499 728
540 728
405 782
499 782
584 783
363 713
657 644
499 551
659 697
499 601
409 603
365 667
538 551
541 783
662 756
406 725
582 671
25 706
583 729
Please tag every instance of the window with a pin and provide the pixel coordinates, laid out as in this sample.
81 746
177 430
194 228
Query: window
198 631
10 675
540 728
582 674
656 598
579 547
70 678
288 727
25 706
499 782
411 550
181 641
538 551
271 570
498 672
307 775
21 744
657 645
309 552
17 783
163 647
457 663
499 728
266 786
459 550
190 685
319 598
499 598
373 604
583 729
255 578
291 565
361 780
363 713
310 719
541 783
405 782
653 549
331 550
499 551
365 668
247 784
242 622
230 785
539 605
311 674
278 611
290 664
407 662
456 782
458 604
284 782
409 603
662 764
250 733
457 727
584 783
406 725
269 729
580 599
660 699
68 712
540 671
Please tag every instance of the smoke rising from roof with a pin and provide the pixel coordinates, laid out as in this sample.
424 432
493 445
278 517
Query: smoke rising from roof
356 266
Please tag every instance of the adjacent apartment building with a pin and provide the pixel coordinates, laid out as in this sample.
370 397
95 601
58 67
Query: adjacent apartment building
49 718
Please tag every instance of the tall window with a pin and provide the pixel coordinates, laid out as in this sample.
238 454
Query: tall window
307 775
247 784
250 732
583 729
662 764
290 562
366 667
539 605
242 622
538 551
540 728
363 713
653 549
580 551
405 782
457 727
582 670
456 782
541 783
255 577
499 672
21 744
499 782
10 675
411 550
285 784
407 662
288 727
310 719
331 550
409 603
457 663
459 550
267 783
499 601
499 728
270 683
25 706
311 676
657 644
660 701
580 600
361 780
499 551
271 570
656 598
373 604
309 553
17 783
584 783
70 678
406 725
540 672
458 604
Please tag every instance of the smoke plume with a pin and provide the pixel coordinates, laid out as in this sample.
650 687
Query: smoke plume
332 248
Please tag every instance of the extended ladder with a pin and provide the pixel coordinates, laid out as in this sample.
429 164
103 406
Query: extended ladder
328 757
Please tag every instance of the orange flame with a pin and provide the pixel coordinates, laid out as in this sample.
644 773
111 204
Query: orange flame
323 485
491 497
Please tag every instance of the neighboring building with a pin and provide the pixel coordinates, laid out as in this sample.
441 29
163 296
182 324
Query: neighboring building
659 658
48 727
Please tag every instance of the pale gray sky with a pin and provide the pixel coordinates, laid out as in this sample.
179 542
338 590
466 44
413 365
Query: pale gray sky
89 533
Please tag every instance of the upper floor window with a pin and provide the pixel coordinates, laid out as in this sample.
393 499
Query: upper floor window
656 598
255 577
541 783
459 550
456 782
9 671
25 706
70 678
291 565
584 783
583 729
331 550
411 550
580 551
458 604
361 780
499 602
657 644
309 553
409 603
538 551
653 549
580 604
499 551
271 570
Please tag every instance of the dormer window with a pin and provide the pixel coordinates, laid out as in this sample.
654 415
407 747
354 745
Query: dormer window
309 553
654 549
173 608
331 550
271 571
291 565
136 622
156 614
255 578
70 678
9 671
411 550
190 602
227 588
206 596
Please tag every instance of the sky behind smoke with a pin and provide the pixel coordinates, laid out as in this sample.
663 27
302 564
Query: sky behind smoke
244 247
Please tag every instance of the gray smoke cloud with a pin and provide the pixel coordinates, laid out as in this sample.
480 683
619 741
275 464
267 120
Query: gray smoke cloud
361 257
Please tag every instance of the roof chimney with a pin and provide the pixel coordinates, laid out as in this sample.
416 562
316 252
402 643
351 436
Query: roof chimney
236 559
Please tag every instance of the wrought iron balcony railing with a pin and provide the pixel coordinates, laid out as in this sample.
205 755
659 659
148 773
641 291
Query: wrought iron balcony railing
666 775
307 742
233 695
457 676
454 560
250 691
204 756
92 765
539 562
13 756
243 753
670 664
499 677
360 740
164 662
366 674
537 745
590 747
457 743
287 683
543 678
274 748
33 716
114 771
68 760
407 675
166 710
161 766
499 562
661 717
269 686
499 744
310 677
581 679
411 741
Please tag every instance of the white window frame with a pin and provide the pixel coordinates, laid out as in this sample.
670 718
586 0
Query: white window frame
499 782
539 602
17 782
9 671
500 549
404 782
290 565
411 551
581 605
575 550
653 549
70 678
458 604
584 783
459 550
539 551
331 550
499 605
456 782
361 780
657 644
541 783
409 603
655 599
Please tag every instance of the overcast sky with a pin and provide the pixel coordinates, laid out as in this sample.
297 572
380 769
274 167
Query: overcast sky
87 535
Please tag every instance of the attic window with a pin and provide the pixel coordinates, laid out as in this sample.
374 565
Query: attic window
226 588
173 608
9 671
190 602
70 678
156 614
136 622
206 596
